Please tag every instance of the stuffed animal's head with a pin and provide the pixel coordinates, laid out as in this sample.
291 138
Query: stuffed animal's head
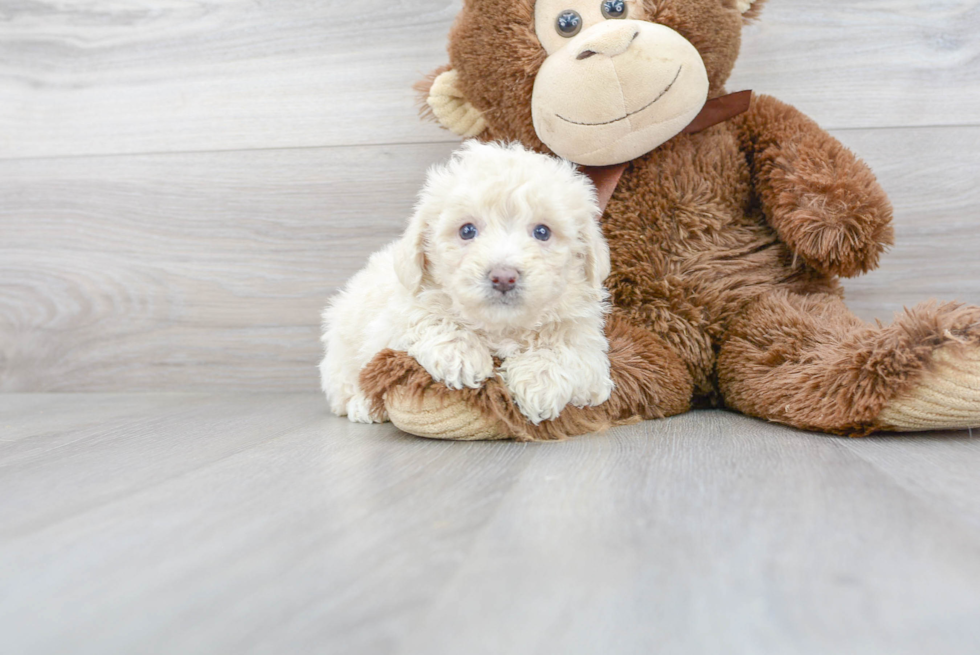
598 82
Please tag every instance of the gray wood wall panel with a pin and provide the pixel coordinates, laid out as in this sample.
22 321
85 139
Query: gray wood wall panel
867 63
188 271
288 149
208 270
146 76
932 176
141 76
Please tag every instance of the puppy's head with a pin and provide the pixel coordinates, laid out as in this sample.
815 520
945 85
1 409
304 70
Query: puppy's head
509 235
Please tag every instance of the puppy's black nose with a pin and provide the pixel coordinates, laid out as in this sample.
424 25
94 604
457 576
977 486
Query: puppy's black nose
504 279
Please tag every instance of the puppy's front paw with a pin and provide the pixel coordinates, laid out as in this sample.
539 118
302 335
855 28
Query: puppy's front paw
540 387
594 388
458 361
589 371
359 411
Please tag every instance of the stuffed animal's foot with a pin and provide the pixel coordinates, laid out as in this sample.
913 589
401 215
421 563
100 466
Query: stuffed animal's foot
440 416
947 397
806 361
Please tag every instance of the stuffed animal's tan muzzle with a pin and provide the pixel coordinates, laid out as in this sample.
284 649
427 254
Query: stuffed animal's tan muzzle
617 91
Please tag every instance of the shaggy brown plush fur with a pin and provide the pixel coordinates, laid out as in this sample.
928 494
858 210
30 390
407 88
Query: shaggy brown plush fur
823 202
806 361
725 249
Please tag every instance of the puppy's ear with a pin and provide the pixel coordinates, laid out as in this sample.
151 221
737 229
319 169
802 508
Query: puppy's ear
410 253
597 265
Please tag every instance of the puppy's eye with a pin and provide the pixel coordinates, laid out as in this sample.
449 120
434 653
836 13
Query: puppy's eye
542 233
569 23
614 8
468 232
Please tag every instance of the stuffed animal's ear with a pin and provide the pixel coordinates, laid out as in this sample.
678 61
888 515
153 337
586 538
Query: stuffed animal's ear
409 253
446 103
750 8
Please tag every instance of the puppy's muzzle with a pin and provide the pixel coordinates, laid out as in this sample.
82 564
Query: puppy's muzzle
504 280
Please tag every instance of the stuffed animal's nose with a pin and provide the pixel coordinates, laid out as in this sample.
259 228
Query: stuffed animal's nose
609 42
504 279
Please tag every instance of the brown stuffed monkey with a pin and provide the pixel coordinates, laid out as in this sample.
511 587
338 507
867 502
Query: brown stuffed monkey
728 231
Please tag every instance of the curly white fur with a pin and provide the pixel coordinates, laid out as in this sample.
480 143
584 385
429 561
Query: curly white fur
430 293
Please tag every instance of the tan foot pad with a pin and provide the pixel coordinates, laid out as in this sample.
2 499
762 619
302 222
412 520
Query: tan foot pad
947 397
439 417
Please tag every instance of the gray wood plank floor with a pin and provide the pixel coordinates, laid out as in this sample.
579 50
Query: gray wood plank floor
202 523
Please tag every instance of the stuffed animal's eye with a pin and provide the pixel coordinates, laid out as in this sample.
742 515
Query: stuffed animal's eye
569 23
614 8
468 232
542 233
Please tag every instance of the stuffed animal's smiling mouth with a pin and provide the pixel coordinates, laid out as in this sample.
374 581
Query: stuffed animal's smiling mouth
632 113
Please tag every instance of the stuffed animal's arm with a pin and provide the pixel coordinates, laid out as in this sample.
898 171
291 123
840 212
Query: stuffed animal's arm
824 203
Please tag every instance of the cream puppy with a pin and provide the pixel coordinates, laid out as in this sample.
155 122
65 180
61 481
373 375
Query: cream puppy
504 257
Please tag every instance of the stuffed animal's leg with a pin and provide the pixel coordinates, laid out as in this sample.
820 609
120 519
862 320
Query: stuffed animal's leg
808 362
650 381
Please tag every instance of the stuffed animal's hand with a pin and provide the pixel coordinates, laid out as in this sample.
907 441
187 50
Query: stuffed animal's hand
824 203
456 358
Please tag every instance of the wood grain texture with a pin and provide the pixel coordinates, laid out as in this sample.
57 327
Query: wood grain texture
258 524
179 272
208 271
148 76
931 175
140 76
867 63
